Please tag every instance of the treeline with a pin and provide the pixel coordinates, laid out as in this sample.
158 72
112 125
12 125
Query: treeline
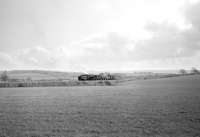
6 81
193 71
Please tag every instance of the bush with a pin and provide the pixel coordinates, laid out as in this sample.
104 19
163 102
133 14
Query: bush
21 85
182 71
195 71
4 76
108 83
29 79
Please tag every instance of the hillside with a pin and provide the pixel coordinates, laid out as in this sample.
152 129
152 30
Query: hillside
42 75
167 107
42 78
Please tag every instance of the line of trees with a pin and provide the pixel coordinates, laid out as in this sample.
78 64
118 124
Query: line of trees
192 71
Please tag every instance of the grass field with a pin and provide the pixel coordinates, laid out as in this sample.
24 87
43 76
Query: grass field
41 75
167 107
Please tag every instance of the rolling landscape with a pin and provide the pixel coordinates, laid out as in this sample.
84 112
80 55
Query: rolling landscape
44 78
99 68
161 107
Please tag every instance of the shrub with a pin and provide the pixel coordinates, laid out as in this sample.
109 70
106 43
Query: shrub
195 71
4 76
108 83
29 79
20 85
182 71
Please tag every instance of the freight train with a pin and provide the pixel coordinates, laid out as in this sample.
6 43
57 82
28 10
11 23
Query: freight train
101 76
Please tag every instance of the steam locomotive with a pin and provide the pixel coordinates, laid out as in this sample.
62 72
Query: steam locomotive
101 76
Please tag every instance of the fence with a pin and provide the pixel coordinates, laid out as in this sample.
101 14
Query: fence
53 84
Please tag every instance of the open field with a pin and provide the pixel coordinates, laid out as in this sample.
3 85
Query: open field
41 75
167 107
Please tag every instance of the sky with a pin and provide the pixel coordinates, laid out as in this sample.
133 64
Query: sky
99 35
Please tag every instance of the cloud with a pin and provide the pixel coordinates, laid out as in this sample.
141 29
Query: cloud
168 45
6 61
167 40
191 14
103 49
36 56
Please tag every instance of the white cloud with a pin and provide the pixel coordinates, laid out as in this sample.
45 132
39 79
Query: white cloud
6 61
127 35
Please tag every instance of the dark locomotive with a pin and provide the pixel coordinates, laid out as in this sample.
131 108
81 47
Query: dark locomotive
101 76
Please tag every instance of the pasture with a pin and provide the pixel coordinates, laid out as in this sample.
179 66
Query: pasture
168 107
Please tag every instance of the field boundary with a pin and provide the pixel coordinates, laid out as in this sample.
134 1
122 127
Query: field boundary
55 83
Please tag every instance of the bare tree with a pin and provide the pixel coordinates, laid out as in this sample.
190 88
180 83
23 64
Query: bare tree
195 71
182 71
28 79
4 76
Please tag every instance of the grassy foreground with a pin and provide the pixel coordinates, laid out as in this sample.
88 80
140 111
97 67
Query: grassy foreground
159 108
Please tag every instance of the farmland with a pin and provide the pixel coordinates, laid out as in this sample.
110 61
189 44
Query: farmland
42 78
168 107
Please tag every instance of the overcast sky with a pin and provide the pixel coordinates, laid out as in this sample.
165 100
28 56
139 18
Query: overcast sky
83 35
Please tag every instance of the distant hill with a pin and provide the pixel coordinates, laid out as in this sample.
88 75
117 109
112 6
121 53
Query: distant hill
62 76
42 78
42 75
